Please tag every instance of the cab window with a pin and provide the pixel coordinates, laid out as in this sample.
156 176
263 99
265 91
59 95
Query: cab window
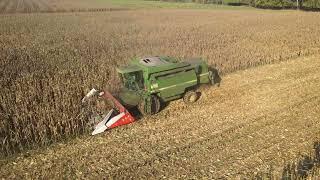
133 80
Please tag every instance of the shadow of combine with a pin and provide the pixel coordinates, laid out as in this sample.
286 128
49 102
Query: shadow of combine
304 167
135 113
299 170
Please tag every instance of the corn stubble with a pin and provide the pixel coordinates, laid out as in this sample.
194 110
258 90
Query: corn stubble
49 61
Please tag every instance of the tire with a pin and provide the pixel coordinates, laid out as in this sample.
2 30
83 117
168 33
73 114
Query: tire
212 78
190 97
149 108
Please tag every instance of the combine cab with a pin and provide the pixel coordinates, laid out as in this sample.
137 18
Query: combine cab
149 82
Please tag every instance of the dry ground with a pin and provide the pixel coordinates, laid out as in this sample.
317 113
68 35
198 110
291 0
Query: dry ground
259 119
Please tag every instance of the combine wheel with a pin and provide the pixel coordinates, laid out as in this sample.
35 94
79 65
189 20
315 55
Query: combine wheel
190 97
150 107
213 79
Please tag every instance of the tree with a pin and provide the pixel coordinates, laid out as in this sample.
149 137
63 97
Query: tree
299 4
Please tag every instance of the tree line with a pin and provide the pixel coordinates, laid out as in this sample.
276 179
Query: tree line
276 4
299 4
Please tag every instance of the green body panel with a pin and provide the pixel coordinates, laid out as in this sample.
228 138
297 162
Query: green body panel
128 69
129 98
163 76
173 84
167 64
201 69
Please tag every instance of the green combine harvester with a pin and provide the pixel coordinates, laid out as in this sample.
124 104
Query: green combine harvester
149 82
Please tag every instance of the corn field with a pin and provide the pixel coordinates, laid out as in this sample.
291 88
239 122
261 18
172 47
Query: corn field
50 61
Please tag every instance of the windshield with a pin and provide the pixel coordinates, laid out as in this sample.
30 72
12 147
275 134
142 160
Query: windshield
133 80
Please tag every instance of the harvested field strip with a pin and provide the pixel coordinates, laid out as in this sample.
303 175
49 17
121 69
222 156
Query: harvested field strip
193 150
270 139
243 91
232 135
258 119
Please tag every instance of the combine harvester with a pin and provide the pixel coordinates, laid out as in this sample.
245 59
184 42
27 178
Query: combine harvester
148 82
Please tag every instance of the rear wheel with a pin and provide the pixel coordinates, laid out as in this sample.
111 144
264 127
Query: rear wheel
150 106
213 79
190 97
